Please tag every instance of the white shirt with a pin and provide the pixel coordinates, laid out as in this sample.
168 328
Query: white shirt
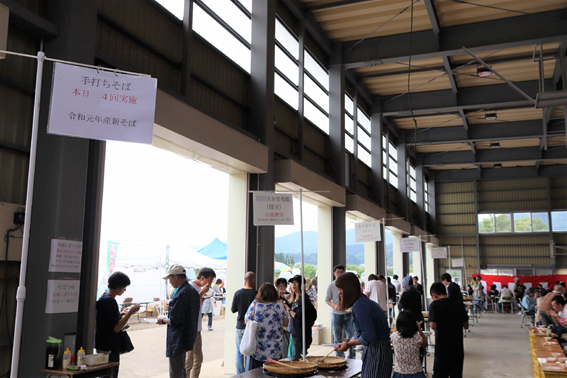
397 285
376 291
563 314
199 322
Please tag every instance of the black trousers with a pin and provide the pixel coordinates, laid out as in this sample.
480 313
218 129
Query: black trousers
445 368
114 357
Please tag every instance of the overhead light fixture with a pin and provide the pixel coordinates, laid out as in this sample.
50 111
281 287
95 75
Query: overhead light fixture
482 71
498 165
494 144
491 116
551 99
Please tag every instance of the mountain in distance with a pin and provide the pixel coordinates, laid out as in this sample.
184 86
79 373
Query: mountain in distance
291 245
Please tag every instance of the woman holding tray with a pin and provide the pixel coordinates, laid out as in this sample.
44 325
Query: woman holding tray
371 326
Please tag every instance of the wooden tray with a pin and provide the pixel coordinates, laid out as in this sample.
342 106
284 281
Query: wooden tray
303 368
330 362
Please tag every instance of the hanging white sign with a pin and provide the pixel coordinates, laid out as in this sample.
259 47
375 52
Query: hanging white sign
271 209
458 263
93 104
65 256
62 296
367 232
439 253
410 245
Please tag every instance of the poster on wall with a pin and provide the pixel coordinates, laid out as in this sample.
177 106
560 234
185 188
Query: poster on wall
458 263
439 253
95 104
410 245
367 232
272 209
62 296
65 256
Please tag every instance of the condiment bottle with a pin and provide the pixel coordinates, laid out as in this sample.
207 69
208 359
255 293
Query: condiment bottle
66 359
81 357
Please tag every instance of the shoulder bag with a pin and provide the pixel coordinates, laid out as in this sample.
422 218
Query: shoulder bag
249 340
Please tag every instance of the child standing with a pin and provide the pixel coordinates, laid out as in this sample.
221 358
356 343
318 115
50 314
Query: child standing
407 342
207 308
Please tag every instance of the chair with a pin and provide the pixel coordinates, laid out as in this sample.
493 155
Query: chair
531 317
158 305
492 303
506 301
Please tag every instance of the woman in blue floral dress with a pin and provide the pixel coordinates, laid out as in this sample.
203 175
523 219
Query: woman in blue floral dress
271 316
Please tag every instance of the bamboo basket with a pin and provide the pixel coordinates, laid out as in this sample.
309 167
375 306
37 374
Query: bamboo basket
300 368
330 362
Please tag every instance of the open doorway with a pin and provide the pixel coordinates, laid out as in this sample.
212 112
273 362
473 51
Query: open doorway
161 208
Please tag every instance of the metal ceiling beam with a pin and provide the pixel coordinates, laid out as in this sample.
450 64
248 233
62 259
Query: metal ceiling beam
30 21
311 25
502 173
482 97
495 156
432 16
335 4
526 30
483 133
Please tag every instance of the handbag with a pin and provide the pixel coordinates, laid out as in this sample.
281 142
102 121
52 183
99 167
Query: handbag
249 340
126 345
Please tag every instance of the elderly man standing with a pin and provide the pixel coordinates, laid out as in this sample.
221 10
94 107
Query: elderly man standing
183 315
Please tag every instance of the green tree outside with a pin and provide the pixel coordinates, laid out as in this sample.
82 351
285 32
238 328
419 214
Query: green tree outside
503 223
487 224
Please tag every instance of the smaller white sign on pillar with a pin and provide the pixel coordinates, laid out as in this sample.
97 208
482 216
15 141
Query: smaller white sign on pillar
367 232
62 296
65 256
439 253
458 263
271 209
410 245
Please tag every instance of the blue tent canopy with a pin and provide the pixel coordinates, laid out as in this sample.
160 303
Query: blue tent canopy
215 250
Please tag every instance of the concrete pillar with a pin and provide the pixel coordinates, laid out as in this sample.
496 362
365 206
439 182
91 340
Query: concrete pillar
325 268
398 256
371 259
60 190
236 260
417 265
430 268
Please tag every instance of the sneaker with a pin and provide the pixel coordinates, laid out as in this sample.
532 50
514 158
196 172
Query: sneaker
210 329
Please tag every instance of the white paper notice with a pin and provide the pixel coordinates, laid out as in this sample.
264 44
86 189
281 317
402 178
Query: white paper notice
458 263
62 296
544 284
102 105
367 232
498 286
410 245
65 256
439 253
272 209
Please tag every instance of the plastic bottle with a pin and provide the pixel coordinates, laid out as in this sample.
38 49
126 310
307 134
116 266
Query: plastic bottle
81 357
66 358
549 332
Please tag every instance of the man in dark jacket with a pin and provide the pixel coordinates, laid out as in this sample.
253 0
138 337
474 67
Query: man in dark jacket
453 290
182 319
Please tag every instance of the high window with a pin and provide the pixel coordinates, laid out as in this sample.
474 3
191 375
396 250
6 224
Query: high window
316 93
559 220
517 222
412 187
392 165
364 140
286 78
227 25
349 124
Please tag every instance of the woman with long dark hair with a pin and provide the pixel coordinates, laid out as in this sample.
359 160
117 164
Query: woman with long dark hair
296 312
371 326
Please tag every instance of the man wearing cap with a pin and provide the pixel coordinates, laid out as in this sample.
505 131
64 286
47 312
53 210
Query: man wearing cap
183 315
528 302
519 290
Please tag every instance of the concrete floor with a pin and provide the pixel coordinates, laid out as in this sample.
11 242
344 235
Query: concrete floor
497 347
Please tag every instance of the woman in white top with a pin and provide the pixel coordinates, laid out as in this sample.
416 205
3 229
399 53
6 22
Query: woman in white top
376 291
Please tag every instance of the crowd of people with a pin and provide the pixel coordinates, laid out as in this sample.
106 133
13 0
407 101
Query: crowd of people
363 314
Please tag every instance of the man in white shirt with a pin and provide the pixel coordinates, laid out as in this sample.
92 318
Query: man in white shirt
397 284
194 358
376 291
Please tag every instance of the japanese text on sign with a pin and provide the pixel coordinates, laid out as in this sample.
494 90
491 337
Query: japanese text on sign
272 209
410 245
367 232
458 263
439 253
65 256
102 105
62 296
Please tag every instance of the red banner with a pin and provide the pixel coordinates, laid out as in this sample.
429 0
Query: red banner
548 281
